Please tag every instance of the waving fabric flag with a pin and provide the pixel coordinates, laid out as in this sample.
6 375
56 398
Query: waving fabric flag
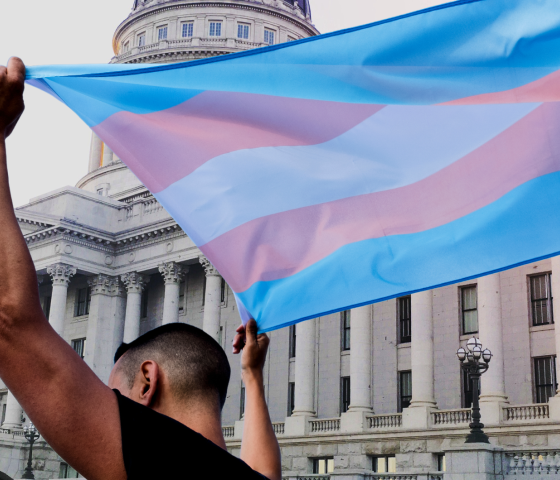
353 167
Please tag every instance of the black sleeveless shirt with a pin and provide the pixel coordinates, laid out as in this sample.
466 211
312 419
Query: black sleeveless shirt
157 447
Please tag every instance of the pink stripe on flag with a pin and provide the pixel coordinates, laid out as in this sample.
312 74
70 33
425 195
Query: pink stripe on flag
215 123
283 244
546 89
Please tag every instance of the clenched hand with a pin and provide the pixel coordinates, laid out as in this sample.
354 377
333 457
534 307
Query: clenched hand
254 348
12 84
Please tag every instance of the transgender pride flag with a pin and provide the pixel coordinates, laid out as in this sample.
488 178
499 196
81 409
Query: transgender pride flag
353 167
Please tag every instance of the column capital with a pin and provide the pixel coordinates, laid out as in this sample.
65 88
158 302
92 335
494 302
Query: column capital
210 269
61 273
172 272
134 282
105 285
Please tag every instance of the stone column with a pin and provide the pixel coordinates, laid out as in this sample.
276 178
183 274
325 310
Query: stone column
135 284
212 300
555 401
61 275
422 362
298 423
107 155
305 370
13 414
172 275
493 389
105 323
95 152
354 420
360 359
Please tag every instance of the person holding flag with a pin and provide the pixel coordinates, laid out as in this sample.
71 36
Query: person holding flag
163 418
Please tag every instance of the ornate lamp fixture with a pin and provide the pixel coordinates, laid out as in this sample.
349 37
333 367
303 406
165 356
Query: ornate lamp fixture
475 361
31 435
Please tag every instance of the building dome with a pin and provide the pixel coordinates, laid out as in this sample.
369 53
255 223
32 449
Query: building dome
166 31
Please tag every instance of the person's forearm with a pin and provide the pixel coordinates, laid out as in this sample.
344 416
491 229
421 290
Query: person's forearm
259 448
18 279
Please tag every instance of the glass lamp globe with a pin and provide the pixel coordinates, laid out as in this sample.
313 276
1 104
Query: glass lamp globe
461 354
473 342
487 355
477 352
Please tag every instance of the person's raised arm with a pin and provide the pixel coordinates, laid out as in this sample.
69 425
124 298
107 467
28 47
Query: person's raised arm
74 411
259 448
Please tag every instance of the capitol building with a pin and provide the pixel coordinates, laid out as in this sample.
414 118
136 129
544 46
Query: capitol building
372 393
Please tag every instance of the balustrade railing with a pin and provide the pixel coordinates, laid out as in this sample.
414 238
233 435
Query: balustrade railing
325 425
228 432
152 206
533 463
451 417
246 45
213 42
278 428
390 476
526 412
385 421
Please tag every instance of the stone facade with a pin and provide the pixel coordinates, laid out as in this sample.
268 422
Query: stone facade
112 264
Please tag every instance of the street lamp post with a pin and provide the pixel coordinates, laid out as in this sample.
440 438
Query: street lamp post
475 361
31 435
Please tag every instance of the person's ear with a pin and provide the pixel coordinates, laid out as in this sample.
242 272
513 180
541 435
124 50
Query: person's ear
149 382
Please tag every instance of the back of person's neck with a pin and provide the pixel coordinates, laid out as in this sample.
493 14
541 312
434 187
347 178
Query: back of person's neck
200 416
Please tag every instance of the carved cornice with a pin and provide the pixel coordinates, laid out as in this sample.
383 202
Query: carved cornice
61 273
106 242
208 267
172 272
134 282
106 285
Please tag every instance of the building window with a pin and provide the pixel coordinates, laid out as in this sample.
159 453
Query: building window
144 304
467 390
126 47
66 471
215 29
291 39
291 398
441 462
223 291
545 379
83 301
243 31
242 402
221 336
344 394
292 341
323 465
469 309
79 346
405 319
3 413
47 306
142 40
405 389
384 464
162 33
188 29
345 323
541 299
269 36
182 288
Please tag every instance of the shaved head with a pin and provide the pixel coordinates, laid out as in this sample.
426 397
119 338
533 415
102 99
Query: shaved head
195 364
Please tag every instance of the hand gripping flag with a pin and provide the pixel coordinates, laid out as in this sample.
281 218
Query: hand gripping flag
353 167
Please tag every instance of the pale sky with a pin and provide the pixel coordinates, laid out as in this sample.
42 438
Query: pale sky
50 147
